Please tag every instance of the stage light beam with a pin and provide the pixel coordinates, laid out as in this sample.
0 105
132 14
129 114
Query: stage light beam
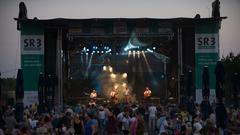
134 54
138 54
129 53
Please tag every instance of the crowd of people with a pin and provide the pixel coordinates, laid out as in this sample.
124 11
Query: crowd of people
121 118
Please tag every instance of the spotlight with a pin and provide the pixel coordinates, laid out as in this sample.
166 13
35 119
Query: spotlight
87 50
113 76
154 48
115 86
151 51
97 51
104 68
138 52
124 75
86 53
102 51
109 50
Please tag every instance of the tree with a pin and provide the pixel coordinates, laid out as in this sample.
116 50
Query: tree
8 90
232 66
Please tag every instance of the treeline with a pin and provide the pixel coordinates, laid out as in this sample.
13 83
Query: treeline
8 84
232 68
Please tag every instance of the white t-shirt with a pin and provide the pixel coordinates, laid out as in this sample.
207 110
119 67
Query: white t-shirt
152 111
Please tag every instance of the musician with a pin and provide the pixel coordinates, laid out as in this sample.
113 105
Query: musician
147 93
113 95
126 94
93 95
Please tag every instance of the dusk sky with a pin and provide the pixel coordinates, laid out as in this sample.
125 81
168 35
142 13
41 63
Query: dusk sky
47 9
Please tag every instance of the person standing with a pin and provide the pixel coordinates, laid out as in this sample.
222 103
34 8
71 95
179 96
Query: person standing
113 95
101 119
111 125
221 116
152 117
125 123
89 127
126 95
10 122
78 125
140 124
162 124
134 123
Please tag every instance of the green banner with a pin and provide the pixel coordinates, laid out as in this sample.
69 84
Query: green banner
32 59
205 59
206 54
32 65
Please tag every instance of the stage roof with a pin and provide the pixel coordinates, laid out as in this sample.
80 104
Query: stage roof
66 20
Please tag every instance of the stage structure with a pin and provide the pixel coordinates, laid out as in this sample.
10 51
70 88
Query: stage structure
151 52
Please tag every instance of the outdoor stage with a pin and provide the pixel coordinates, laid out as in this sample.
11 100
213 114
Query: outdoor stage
79 55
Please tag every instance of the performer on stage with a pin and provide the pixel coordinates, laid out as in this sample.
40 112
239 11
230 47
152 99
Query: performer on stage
113 95
147 93
126 94
93 95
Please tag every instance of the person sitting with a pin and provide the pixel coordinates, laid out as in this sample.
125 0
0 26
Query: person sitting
93 94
